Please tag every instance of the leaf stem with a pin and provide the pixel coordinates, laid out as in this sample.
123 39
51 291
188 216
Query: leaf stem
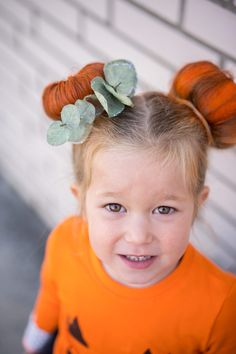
117 85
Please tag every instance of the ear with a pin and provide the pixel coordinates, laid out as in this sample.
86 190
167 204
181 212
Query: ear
75 190
203 195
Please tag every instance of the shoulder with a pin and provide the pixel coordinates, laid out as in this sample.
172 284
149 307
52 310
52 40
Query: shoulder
222 334
63 248
216 280
63 235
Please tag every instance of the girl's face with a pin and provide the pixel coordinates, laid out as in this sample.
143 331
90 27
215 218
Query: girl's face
139 216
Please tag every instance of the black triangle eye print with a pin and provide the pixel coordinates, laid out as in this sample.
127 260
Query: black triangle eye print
75 331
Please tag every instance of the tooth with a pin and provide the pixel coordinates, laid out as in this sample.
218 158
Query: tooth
137 258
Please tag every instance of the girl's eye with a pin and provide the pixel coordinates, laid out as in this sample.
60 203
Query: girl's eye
114 207
165 210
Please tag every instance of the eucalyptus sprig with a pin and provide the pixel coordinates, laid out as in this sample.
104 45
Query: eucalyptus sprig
110 94
75 124
119 84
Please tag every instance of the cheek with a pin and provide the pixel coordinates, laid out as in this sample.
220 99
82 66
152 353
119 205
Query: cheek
102 228
176 236
101 234
177 242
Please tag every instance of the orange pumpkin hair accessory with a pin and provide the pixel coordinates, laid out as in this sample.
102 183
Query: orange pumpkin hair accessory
212 92
109 91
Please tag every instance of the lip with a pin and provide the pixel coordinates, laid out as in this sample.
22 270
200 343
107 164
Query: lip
137 265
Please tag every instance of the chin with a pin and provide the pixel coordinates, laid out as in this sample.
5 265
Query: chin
137 282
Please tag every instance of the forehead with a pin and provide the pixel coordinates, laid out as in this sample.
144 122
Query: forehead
124 171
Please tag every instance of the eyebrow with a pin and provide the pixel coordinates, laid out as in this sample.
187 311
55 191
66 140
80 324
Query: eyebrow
108 194
162 197
172 197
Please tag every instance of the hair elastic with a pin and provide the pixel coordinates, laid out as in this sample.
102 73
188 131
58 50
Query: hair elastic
201 118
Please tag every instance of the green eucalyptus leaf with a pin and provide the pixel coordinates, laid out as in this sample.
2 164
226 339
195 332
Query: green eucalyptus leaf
124 99
96 103
58 133
70 115
80 134
121 75
86 110
110 103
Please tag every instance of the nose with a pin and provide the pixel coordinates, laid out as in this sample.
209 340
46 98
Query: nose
138 230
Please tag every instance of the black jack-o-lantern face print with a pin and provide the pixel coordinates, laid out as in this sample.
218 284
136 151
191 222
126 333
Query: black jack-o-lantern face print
76 332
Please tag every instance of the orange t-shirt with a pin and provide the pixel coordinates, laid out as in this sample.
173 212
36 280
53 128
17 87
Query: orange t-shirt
192 310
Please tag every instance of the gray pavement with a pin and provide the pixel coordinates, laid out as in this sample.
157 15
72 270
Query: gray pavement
22 240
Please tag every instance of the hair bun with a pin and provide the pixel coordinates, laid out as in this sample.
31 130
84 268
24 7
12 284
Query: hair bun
58 94
208 88
213 92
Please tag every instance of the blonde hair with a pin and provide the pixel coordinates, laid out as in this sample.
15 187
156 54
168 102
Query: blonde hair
156 123
160 123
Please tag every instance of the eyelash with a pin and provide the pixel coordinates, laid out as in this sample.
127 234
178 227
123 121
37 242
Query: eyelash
108 208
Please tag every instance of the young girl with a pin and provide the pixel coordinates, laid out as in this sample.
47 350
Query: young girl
122 277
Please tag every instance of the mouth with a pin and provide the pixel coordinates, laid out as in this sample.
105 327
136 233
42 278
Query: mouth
138 262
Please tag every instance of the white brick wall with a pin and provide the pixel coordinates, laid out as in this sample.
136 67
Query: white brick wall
98 8
58 11
231 66
168 9
43 41
153 75
157 37
219 33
